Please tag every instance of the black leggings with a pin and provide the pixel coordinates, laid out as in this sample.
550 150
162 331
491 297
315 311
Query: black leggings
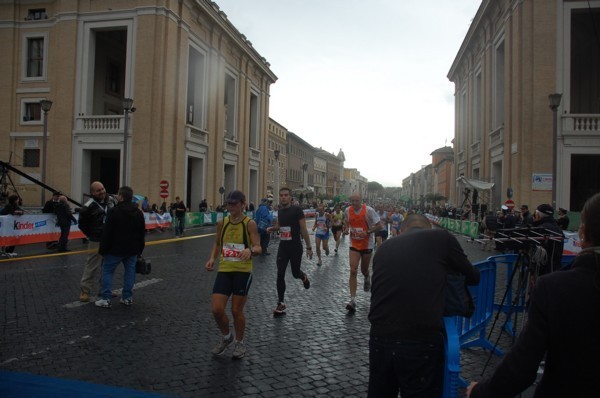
291 253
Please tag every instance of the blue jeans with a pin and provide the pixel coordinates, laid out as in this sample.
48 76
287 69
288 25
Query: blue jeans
179 225
108 270
413 368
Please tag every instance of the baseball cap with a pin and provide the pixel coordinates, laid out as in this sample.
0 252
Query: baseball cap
546 209
235 197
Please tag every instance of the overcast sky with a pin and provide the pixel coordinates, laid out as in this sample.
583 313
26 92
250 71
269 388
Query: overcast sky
367 77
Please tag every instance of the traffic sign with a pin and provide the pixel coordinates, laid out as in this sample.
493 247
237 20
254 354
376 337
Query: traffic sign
164 193
510 204
164 184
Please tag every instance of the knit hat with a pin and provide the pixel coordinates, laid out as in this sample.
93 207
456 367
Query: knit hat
546 209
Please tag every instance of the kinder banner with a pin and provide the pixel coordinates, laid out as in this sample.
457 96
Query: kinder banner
572 243
36 228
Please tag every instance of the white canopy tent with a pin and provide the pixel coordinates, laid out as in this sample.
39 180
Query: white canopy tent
483 188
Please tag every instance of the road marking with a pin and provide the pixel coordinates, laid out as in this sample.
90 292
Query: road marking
77 304
152 243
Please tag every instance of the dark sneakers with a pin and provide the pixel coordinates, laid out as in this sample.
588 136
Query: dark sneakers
279 310
305 281
351 306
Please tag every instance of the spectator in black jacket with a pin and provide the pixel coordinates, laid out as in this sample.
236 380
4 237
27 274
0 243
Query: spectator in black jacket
49 208
562 326
91 222
64 218
543 218
12 208
526 216
563 219
408 292
122 242
491 225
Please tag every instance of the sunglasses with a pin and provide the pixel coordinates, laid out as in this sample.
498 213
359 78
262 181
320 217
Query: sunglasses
232 203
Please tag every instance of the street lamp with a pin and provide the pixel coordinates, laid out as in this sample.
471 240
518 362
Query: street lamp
554 100
276 152
127 104
46 105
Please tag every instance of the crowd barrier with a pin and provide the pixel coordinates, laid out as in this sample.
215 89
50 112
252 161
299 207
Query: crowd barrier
572 245
38 228
508 305
471 332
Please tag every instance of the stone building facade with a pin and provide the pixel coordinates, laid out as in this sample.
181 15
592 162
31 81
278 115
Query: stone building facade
200 98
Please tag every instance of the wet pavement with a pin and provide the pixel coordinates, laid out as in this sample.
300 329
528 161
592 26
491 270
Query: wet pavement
162 343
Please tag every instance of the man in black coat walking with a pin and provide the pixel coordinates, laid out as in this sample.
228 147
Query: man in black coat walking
122 241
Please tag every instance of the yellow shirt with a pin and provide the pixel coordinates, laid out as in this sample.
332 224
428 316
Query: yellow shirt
234 239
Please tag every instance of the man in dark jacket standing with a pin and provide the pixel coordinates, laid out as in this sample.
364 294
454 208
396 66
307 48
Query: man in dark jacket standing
49 208
123 240
91 222
408 293
543 218
64 218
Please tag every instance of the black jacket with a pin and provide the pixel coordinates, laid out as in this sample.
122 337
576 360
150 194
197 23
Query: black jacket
92 216
49 206
408 290
124 231
554 248
63 215
563 325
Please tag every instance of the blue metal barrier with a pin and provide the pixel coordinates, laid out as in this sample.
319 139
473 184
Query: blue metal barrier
507 307
471 332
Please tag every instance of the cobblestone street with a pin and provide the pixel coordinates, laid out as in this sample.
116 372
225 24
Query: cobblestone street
162 343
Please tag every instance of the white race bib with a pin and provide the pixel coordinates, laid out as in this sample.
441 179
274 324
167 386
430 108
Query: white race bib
356 233
232 251
285 233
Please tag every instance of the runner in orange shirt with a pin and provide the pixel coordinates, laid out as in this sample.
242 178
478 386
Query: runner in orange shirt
361 222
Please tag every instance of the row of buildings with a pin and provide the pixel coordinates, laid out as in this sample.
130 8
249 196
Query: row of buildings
199 122
527 105
166 96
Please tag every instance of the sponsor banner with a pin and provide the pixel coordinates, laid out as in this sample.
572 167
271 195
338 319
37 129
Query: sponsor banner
572 243
36 228
156 220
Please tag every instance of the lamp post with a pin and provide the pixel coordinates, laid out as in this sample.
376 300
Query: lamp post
46 105
554 100
276 153
127 104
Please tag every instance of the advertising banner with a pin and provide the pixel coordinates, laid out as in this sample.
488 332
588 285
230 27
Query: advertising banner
36 228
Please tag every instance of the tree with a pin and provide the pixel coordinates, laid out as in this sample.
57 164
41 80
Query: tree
373 189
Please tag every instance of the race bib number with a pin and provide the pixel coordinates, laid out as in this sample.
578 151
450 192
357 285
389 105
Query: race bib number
285 233
358 233
232 251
